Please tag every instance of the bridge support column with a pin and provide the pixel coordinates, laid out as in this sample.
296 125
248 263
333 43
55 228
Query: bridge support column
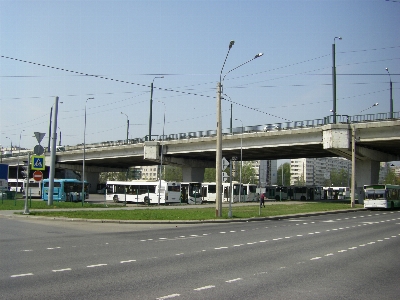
367 172
93 179
192 174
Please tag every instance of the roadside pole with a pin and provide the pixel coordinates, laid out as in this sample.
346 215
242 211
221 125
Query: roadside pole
26 208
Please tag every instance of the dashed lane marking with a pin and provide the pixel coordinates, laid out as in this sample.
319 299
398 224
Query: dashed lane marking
21 275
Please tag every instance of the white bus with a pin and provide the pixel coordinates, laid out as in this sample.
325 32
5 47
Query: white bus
146 192
381 196
191 192
336 193
226 188
35 188
249 193
12 185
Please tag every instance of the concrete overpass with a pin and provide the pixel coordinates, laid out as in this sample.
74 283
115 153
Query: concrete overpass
377 140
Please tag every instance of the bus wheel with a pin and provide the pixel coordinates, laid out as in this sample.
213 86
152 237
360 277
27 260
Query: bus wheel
146 200
277 198
115 198
391 205
303 198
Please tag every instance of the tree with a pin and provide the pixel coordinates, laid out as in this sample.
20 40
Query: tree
209 175
172 173
391 177
339 177
286 174
248 173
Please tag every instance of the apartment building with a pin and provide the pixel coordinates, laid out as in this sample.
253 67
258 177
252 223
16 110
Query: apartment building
315 171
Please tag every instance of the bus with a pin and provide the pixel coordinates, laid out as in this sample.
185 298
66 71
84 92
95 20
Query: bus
276 192
35 188
14 187
144 192
381 196
209 192
226 190
304 193
69 190
191 192
336 193
249 193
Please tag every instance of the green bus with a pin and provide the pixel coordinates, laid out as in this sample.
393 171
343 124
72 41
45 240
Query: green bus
381 196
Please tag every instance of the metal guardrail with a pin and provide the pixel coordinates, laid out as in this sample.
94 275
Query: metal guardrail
341 119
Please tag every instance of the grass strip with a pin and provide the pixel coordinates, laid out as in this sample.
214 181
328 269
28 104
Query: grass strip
162 213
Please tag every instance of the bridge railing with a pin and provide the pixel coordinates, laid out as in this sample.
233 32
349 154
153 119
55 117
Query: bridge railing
343 119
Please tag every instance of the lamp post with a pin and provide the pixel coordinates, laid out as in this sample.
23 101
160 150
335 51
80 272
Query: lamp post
10 144
161 159
218 202
19 152
59 142
334 78
391 97
127 127
241 159
151 104
84 155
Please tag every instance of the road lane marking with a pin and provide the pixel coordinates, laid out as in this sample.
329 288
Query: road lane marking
21 275
204 287
98 265
127 261
168 296
233 280
62 270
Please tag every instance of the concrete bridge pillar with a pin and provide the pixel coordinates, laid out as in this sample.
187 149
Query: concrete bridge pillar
367 172
192 174
93 179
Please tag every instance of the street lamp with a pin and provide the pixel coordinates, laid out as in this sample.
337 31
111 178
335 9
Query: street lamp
241 159
151 105
334 78
161 159
84 155
127 126
218 202
375 104
391 98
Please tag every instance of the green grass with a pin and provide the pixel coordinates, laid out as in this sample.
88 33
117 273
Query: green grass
162 213
40 204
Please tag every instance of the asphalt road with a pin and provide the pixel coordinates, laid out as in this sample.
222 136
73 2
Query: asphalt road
351 255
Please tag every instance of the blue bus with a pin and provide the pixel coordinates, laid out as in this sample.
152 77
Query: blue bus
69 190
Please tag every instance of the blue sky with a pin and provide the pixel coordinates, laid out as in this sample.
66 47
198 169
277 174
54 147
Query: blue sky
132 42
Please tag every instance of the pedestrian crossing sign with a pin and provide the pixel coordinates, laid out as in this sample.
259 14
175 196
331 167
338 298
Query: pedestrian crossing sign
37 162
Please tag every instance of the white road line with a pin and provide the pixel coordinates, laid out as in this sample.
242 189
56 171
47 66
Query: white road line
315 258
127 261
329 254
221 248
94 266
204 287
168 296
26 250
21 275
179 254
62 270
341 251
233 280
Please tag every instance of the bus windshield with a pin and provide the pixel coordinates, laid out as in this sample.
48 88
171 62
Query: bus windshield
375 194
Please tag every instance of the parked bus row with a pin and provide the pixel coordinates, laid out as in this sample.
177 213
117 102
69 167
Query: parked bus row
163 192
304 193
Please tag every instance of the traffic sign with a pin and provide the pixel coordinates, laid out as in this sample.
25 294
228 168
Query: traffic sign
37 175
225 163
37 162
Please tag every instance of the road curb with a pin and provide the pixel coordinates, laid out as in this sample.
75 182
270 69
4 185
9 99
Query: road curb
256 219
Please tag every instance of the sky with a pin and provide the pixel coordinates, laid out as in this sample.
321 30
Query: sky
112 51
